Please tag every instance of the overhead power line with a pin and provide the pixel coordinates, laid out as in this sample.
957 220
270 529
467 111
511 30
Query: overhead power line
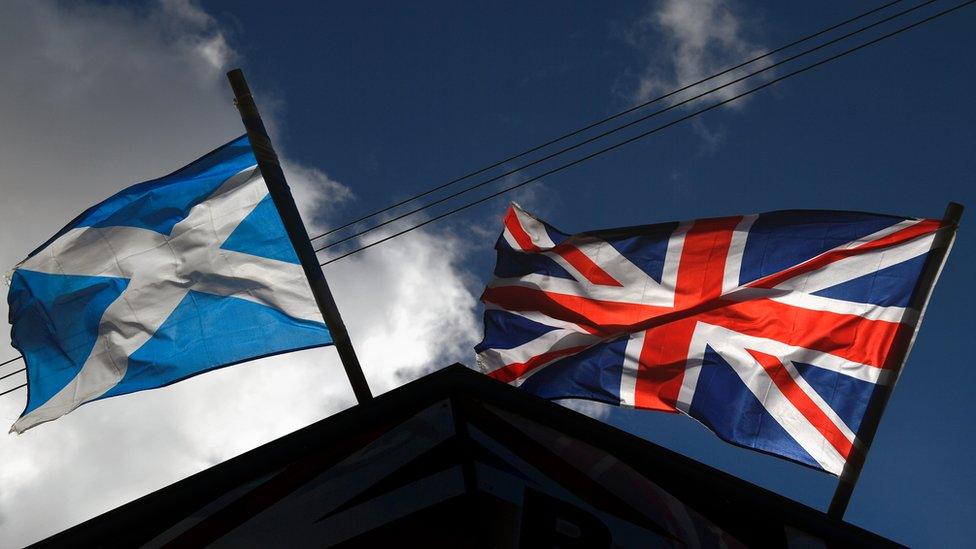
14 389
621 127
5 376
608 119
654 130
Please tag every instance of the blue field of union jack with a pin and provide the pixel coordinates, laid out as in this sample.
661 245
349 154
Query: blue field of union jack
772 329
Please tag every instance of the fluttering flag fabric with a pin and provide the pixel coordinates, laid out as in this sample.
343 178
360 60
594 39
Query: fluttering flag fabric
164 280
773 330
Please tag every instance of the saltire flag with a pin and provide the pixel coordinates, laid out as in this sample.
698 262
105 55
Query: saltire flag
162 281
772 330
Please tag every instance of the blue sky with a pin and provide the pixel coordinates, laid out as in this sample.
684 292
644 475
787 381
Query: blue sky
373 102
393 100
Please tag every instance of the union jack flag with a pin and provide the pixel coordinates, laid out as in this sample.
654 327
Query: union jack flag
772 330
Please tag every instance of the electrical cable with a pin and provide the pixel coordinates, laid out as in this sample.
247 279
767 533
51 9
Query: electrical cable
608 119
5 376
654 130
14 389
623 126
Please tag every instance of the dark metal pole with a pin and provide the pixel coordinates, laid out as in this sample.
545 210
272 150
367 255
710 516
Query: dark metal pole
274 177
879 400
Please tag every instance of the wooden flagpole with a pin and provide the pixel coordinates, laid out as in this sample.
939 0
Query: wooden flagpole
879 400
274 177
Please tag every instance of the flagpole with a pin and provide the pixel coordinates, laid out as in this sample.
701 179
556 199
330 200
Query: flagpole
879 400
274 177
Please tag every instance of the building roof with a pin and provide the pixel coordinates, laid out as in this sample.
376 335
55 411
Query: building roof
465 445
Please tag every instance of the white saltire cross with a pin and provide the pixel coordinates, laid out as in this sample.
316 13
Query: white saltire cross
161 270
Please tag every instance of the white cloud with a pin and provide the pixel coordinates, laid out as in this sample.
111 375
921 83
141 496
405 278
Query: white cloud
97 97
416 309
688 40
196 31
317 195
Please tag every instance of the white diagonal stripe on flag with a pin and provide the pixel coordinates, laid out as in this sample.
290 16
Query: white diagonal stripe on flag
161 270
850 268
781 408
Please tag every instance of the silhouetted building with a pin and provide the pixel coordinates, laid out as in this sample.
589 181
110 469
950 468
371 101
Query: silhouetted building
456 459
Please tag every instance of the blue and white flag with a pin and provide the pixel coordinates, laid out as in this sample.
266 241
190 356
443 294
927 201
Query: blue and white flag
165 280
